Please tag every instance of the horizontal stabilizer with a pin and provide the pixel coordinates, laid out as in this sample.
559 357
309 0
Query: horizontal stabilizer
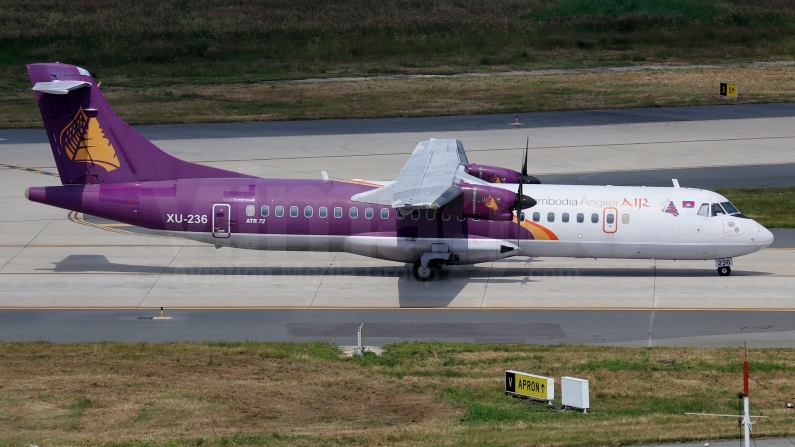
59 87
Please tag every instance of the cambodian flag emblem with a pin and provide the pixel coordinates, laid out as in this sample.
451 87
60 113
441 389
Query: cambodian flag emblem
688 204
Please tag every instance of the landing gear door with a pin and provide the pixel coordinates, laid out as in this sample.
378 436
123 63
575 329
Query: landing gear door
221 220
610 220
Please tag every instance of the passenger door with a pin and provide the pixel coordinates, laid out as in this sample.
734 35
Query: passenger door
221 220
610 220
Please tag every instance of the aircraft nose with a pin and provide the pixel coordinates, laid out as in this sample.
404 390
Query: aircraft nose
764 237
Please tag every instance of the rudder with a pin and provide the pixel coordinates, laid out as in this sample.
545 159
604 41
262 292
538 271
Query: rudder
93 145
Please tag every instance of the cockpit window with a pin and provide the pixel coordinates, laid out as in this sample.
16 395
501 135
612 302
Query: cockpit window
730 208
704 210
717 210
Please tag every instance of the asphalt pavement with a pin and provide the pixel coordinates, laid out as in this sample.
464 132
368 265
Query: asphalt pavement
438 123
624 328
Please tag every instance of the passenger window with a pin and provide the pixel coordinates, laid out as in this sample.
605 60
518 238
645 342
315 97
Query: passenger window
717 210
475 220
580 218
704 210
415 215
461 219
565 217
354 212
611 218
595 218
399 216
337 212
308 211
550 217
536 216
279 211
625 219
445 216
293 211
264 211
368 213
430 215
384 213
250 210
322 212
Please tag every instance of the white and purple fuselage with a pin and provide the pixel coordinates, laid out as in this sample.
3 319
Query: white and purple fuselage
110 171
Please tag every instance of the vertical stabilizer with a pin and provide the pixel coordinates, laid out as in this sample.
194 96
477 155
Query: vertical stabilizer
93 145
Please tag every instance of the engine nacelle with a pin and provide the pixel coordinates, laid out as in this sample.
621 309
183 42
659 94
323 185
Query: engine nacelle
495 174
485 202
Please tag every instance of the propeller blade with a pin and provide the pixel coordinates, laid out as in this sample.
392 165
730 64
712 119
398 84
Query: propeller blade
523 201
519 195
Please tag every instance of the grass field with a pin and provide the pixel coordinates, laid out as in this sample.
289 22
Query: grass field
255 40
771 207
421 97
415 394
208 61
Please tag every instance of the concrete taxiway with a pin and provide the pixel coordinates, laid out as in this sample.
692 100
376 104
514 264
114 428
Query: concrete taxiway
50 258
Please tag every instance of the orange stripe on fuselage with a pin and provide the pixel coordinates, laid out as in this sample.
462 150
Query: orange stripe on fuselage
363 183
539 232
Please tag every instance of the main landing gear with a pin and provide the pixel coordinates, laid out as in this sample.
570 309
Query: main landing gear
425 272
724 271
427 268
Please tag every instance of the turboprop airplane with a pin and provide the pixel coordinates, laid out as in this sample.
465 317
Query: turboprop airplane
440 211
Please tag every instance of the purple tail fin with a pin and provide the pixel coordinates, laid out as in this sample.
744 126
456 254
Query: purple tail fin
93 145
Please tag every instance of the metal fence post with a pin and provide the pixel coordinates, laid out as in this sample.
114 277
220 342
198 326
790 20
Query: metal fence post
360 337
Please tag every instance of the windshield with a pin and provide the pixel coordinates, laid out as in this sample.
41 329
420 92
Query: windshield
730 208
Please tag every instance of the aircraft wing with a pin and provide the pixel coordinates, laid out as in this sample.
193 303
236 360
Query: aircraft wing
428 179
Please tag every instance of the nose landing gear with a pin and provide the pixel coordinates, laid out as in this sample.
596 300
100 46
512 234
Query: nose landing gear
724 266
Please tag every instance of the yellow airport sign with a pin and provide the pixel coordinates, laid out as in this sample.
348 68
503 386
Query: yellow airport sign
529 385
728 90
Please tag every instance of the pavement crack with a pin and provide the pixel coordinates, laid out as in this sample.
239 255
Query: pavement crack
653 303
25 246
159 275
486 287
328 267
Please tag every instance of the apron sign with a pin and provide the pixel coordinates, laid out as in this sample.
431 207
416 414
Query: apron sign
529 385
728 90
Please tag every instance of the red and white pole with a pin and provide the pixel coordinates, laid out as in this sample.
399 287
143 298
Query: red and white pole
746 404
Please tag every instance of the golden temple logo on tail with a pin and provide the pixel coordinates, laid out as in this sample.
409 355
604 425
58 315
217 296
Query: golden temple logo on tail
84 140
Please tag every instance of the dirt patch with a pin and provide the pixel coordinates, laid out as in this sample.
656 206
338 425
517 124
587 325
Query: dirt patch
194 390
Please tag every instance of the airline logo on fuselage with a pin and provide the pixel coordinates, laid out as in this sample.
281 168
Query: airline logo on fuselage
84 140
668 207
634 202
